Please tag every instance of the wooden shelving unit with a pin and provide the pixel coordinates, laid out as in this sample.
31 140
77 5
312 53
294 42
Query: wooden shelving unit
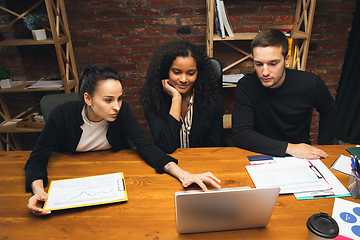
301 33
61 40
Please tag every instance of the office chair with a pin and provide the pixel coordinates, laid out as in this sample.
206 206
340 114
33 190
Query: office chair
218 72
48 102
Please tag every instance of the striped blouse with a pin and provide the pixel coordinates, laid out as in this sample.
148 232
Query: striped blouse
186 126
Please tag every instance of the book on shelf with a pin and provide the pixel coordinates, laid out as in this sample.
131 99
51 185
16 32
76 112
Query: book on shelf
226 21
216 19
220 17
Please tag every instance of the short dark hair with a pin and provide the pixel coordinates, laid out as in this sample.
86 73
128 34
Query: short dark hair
91 77
271 38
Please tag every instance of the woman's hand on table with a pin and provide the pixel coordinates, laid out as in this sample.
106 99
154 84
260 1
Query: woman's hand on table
187 178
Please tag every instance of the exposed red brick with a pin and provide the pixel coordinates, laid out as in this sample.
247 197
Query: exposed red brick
194 39
324 63
117 51
116 32
193 2
87 51
337 28
158 3
113 14
259 19
277 9
285 19
235 19
134 41
17 71
344 36
331 79
132 58
143 65
82 60
145 49
245 28
132 22
8 56
74 6
339 54
76 25
340 45
146 31
335 71
101 4
162 21
178 11
341 8
321 18
169 30
136 74
193 21
80 43
104 42
123 67
315 37
85 34
318 71
105 59
200 11
101 24
82 15
164 39
19 63
132 3
237 11
347 18
145 12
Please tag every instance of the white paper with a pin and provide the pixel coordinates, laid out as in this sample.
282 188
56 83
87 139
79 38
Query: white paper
232 78
342 164
85 191
47 84
347 216
290 176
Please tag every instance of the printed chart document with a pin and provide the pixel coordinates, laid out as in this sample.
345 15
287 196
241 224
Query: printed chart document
347 216
86 191
290 176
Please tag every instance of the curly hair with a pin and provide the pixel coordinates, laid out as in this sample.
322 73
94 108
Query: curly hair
206 86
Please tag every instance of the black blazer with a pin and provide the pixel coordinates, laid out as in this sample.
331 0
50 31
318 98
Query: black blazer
206 131
62 132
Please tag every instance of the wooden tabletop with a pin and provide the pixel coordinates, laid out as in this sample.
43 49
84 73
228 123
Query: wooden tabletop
150 211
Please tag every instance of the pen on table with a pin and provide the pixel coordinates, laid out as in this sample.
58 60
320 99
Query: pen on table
355 166
323 194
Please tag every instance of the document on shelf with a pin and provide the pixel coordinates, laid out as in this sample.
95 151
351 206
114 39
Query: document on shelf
290 176
86 191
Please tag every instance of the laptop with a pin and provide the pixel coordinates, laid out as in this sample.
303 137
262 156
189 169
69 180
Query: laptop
224 209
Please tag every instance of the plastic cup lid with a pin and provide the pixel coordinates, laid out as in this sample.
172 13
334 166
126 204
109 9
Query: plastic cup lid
322 225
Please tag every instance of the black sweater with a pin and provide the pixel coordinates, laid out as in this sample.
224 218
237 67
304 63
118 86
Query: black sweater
265 120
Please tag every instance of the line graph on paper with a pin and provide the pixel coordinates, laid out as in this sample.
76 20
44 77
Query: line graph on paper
85 191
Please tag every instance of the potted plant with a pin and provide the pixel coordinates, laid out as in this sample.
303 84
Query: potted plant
34 23
5 77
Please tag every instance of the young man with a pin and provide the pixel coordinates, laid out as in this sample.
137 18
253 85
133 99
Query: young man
273 106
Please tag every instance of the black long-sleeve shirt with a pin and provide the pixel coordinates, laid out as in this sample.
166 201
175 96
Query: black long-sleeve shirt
265 120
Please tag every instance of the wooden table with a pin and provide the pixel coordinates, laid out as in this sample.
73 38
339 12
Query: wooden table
150 211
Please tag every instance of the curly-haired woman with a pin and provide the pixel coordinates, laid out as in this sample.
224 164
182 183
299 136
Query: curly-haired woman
182 101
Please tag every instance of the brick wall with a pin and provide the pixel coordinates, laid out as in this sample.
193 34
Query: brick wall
123 34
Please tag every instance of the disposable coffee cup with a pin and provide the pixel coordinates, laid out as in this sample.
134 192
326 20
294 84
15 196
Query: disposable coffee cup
322 226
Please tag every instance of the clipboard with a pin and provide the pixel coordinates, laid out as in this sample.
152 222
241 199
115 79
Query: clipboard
86 191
